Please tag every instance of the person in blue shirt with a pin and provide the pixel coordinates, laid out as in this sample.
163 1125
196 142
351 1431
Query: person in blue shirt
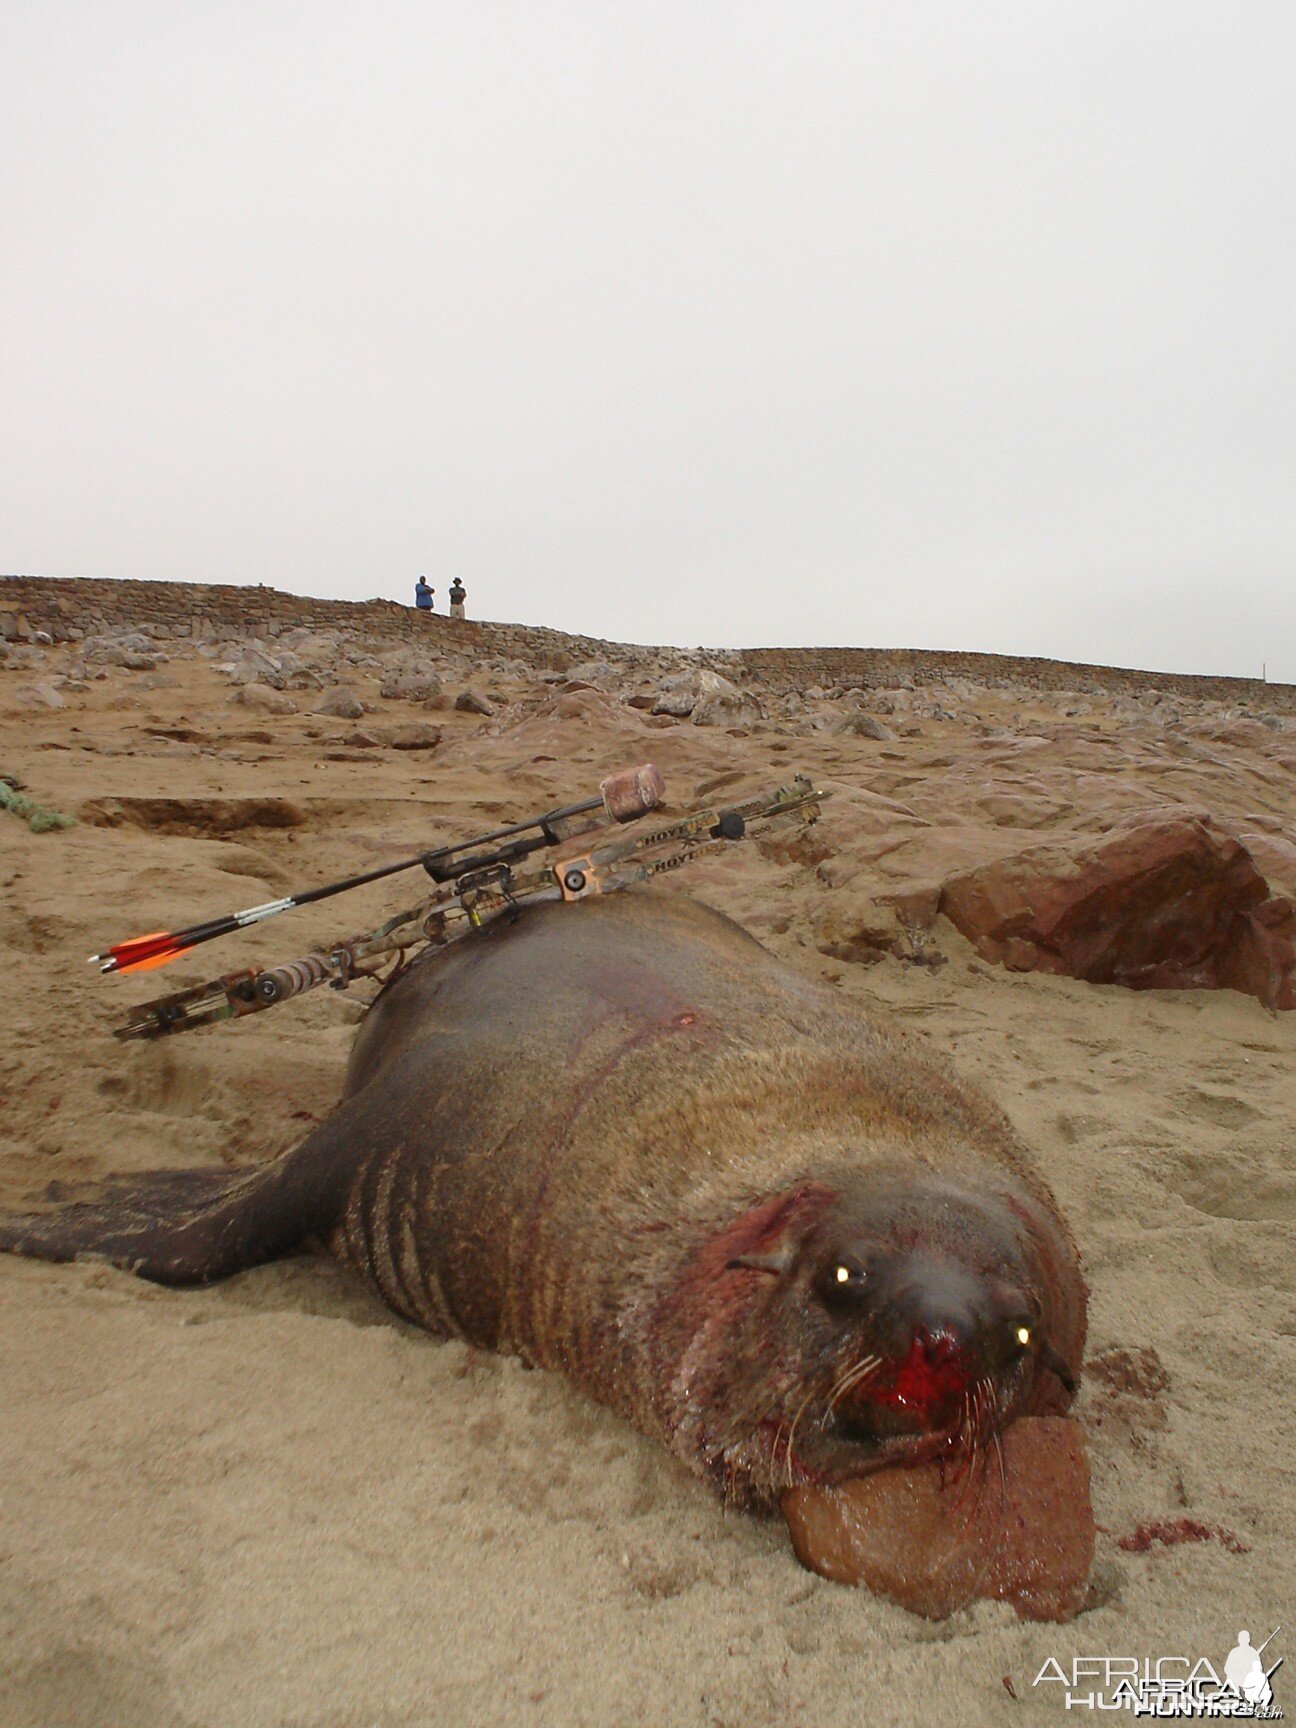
423 594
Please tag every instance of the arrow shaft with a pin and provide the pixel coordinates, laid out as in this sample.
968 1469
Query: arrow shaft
164 945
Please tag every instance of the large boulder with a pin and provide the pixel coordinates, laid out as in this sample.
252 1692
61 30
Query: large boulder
266 700
342 703
255 667
136 652
133 649
312 648
601 674
722 703
469 702
407 685
298 675
677 695
856 723
22 657
1164 905
42 695
420 736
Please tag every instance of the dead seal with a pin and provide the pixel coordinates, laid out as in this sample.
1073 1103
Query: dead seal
622 1141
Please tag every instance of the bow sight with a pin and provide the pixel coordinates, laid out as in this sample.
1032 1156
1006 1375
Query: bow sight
479 879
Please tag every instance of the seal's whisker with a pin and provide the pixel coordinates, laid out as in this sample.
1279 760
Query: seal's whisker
968 1496
1003 1477
852 1378
992 1411
986 1411
839 1385
989 1548
969 1417
855 1375
964 1442
988 1408
791 1441
972 1438
780 1432
977 1424
984 1434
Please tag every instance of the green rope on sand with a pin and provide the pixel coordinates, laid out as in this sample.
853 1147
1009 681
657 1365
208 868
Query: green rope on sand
38 818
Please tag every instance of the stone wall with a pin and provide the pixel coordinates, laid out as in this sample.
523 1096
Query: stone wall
803 668
71 609
68 610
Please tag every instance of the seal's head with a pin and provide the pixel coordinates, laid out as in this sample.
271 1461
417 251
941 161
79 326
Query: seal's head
902 1316
937 1336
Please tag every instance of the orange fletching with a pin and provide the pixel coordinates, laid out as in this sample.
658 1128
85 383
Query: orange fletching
142 953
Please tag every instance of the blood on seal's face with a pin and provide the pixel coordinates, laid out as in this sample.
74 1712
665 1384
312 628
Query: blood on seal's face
935 1332
923 1323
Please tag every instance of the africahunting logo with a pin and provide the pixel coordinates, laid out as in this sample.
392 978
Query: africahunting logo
1171 1685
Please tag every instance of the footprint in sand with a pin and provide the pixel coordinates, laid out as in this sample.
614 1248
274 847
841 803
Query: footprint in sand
1243 1186
1075 1126
168 1085
1220 1109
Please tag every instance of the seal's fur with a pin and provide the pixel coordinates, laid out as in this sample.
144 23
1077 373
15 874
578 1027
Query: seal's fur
617 1139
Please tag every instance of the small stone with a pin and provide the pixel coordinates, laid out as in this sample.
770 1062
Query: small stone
420 736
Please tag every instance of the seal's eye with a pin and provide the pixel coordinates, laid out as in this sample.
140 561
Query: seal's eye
841 1281
1022 1334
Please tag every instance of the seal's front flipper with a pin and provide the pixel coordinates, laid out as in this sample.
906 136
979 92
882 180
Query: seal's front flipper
197 1226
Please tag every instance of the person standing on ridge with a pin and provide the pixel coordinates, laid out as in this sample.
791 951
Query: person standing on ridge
423 594
458 594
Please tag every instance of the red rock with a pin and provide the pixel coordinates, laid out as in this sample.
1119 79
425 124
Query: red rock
935 1545
1166 905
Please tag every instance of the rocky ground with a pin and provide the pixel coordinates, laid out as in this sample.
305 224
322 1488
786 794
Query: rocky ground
272 1503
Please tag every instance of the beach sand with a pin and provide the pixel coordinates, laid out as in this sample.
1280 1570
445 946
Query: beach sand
273 1503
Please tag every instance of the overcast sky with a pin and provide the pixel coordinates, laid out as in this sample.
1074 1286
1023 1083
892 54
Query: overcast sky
960 325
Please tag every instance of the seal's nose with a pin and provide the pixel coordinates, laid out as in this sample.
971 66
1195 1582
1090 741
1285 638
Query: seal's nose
939 1305
939 1345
